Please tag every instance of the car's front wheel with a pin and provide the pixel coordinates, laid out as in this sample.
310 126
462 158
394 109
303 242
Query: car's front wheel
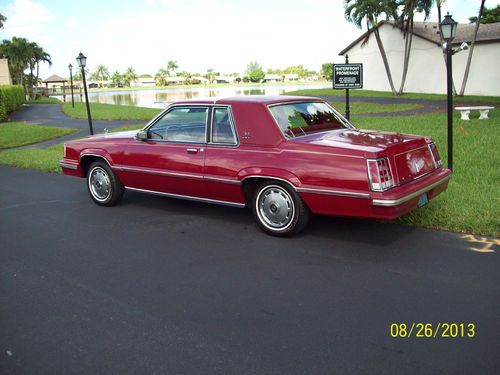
104 186
279 210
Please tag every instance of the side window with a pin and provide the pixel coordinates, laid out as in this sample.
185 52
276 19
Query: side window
222 131
186 124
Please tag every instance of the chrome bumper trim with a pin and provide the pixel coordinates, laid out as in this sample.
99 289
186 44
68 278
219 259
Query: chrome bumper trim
406 198
222 180
334 192
188 197
157 172
68 166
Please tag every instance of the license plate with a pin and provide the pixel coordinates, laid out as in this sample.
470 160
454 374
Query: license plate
423 200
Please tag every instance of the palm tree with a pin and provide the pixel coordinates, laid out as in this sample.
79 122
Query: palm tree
369 11
40 56
18 51
116 78
101 73
210 75
172 66
161 77
129 76
2 20
405 20
471 50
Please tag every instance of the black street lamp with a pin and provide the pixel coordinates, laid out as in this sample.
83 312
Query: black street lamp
82 61
448 28
71 82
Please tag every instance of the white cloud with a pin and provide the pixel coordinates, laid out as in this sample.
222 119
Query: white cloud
26 18
221 35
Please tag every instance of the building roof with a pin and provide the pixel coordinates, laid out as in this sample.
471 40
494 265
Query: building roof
488 32
429 31
54 78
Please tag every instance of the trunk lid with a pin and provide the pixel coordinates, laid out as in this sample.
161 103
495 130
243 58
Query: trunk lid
409 155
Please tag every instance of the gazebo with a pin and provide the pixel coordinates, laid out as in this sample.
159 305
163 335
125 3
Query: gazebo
56 79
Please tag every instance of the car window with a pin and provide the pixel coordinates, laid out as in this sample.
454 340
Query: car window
186 124
222 129
296 119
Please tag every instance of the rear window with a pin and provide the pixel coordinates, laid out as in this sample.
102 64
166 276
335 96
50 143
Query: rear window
296 119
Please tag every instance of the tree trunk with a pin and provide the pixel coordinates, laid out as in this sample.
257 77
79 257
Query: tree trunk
406 61
37 77
471 50
384 59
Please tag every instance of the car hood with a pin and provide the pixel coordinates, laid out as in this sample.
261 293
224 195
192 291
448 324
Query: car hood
368 140
124 134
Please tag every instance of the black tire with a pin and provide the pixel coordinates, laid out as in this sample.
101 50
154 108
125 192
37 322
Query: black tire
103 185
278 209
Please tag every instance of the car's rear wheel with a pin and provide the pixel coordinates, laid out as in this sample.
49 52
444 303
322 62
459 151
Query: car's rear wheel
279 210
104 186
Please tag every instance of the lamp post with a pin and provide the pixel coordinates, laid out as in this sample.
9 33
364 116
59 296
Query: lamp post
82 61
71 83
448 28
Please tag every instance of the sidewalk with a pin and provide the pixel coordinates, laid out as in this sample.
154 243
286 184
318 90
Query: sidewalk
428 106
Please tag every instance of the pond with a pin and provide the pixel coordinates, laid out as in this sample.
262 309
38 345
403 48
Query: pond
160 98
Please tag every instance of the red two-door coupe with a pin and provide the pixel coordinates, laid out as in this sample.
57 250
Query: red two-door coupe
285 157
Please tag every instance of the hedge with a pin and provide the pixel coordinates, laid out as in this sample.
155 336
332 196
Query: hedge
11 98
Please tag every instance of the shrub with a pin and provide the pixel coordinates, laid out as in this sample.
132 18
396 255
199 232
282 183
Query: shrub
11 98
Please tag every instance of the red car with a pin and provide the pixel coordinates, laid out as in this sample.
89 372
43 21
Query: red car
284 157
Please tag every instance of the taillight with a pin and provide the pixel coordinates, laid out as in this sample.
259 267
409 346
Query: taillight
435 154
379 174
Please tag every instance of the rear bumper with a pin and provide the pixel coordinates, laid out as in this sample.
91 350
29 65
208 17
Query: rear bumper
387 205
416 194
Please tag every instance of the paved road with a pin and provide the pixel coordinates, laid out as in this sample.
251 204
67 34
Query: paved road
163 286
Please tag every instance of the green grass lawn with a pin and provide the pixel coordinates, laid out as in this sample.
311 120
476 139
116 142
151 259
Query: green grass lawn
15 134
472 202
45 160
45 100
384 94
364 107
110 111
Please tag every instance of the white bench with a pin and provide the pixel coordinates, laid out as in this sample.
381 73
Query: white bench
483 111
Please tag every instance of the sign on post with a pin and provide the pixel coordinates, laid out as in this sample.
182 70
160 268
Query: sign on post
347 76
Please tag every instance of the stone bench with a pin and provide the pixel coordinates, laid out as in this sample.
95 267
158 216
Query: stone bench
483 111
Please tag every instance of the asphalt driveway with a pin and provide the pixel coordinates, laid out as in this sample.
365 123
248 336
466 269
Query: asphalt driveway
163 286
52 115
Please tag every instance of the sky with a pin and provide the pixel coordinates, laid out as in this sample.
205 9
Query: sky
224 35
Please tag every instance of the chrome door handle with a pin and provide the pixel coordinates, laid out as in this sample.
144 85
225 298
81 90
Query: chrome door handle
192 150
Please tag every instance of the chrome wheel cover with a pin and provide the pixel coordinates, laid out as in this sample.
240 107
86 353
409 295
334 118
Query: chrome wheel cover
99 184
275 208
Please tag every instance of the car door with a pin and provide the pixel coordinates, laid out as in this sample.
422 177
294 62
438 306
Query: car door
171 159
223 158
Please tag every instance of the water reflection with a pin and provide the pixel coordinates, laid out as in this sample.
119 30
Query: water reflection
160 98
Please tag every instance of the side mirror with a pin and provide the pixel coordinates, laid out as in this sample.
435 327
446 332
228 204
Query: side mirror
142 135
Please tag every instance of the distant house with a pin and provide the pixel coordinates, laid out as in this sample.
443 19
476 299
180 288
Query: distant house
5 78
272 78
175 80
223 79
196 80
427 69
145 81
291 77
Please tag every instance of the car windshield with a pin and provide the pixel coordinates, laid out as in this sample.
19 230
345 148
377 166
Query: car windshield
296 119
